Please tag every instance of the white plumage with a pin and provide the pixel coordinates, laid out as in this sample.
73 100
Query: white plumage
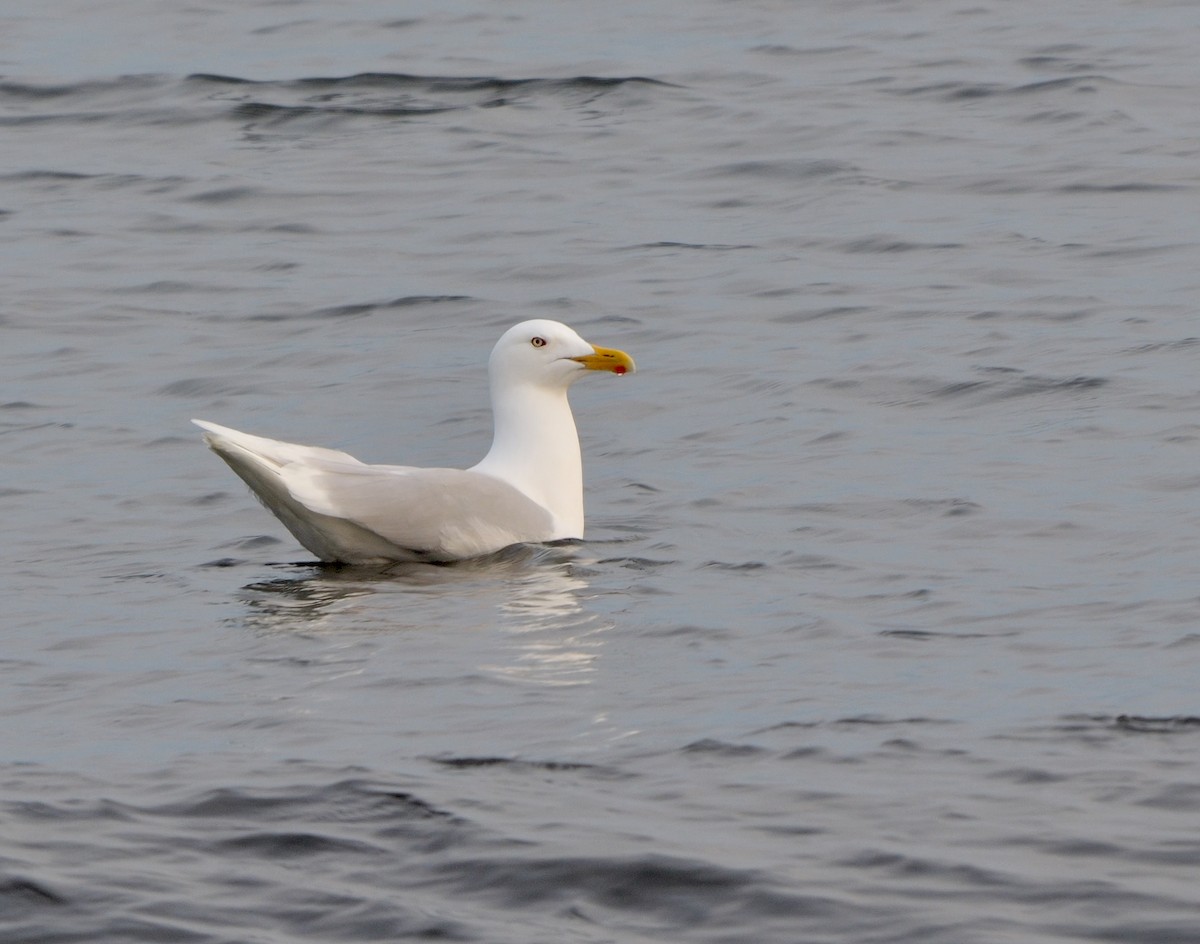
527 489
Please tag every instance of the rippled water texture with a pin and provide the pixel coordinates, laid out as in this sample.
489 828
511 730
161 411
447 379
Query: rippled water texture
886 628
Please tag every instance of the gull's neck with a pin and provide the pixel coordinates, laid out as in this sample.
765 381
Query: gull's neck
535 448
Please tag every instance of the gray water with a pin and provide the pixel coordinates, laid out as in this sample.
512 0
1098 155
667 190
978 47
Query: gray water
886 627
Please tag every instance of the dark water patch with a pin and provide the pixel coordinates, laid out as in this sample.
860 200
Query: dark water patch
224 562
965 386
689 632
960 874
1171 724
23 90
760 385
95 116
392 80
362 309
170 440
752 566
680 893
1055 116
224 195
161 286
258 540
368 308
345 801
30 427
898 509
998 186
298 229
1148 931
1082 848
1038 314
1182 483
891 244
148 576
1181 852
265 112
872 720
805 561
833 436
102 810
787 726
782 169
1132 186
146 184
290 845
514 764
176 287
121 85
399 95
1132 252
956 507
1002 186
961 90
781 49
15 892
50 181
719 748
209 498
36 176
1028 776
668 244
902 744
206 78
1031 385
1178 797
196 387
1057 63
1182 344
807 753
1007 383
852 722
1077 83
951 91
641 564
819 314
1101 729
923 635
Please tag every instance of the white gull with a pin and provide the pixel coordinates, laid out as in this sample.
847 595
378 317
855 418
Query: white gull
527 489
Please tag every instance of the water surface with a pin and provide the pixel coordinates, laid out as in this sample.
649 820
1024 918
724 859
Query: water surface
886 626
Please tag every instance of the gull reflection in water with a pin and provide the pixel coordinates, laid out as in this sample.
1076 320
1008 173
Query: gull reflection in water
534 595
554 640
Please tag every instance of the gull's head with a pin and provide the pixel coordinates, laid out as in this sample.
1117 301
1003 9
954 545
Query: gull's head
548 353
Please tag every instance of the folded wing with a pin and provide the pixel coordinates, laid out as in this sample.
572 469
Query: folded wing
345 510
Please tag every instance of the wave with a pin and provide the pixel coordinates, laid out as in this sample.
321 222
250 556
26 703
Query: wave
175 100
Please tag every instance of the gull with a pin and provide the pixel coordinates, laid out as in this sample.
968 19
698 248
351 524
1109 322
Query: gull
528 489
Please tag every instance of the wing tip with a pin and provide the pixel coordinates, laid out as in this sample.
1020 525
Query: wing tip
212 432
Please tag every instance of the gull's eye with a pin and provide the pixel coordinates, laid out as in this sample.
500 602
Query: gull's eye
538 342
